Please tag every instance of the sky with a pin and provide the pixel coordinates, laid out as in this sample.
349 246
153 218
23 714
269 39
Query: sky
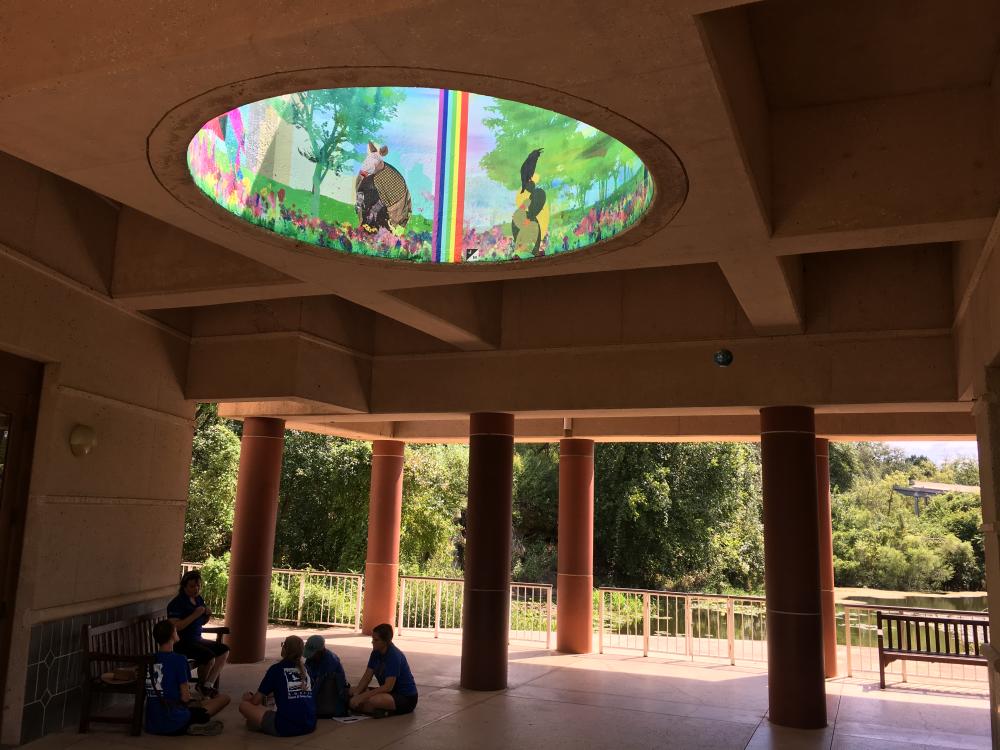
939 451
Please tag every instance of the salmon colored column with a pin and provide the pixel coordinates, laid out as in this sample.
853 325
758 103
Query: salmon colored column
575 584
385 504
486 603
795 683
827 606
252 552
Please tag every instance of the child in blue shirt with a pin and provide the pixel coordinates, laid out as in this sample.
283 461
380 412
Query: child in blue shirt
329 683
397 690
167 692
294 711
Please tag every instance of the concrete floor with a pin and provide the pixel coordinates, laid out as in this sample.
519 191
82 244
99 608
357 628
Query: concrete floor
610 701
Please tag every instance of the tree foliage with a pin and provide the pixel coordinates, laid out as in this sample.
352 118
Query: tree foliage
684 516
215 456
335 121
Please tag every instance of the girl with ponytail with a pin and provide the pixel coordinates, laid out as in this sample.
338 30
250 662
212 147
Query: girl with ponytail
294 711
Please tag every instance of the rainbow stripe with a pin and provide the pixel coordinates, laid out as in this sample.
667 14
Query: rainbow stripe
449 194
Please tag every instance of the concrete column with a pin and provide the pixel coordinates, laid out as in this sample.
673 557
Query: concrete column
795 683
987 413
385 504
486 605
253 537
575 584
828 607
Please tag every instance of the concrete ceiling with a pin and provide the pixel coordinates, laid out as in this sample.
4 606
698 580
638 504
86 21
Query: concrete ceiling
843 181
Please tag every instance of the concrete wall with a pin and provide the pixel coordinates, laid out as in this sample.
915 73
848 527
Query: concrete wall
103 532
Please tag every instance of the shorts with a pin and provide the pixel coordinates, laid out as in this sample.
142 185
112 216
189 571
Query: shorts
267 725
404 703
201 651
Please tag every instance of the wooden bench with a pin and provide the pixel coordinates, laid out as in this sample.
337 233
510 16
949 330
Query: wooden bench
921 637
126 644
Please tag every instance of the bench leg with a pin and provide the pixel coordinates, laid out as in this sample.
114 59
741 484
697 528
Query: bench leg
881 674
85 698
140 699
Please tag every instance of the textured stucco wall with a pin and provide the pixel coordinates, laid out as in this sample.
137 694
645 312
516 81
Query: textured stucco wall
105 530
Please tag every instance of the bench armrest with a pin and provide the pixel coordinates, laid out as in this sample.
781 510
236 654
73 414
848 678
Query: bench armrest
125 658
219 630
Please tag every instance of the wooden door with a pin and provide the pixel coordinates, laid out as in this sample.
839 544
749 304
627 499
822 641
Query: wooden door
20 384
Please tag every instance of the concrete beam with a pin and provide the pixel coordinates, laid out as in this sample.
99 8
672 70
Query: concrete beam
769 290
883 367
158 265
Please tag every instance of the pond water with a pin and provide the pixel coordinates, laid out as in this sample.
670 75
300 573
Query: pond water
972 602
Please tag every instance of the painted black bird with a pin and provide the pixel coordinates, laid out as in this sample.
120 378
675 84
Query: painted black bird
528 169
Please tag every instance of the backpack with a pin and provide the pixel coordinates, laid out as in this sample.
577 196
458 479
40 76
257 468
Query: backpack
332 696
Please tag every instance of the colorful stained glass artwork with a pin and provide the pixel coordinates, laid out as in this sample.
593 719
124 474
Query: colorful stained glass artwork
419 174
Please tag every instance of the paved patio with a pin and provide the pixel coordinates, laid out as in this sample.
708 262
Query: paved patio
617 700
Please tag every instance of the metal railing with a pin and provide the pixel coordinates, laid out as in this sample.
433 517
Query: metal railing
427 604
690 625
734 628
305 597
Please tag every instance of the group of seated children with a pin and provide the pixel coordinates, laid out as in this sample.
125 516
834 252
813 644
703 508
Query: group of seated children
307 683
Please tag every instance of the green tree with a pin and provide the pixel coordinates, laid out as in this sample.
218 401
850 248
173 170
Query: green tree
435 488
335 120
323 502
215 458
959 471
536 512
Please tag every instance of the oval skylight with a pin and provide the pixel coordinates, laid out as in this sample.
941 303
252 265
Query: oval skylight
420 174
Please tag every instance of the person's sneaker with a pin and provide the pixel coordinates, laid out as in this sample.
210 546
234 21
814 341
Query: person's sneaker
208 729
379 713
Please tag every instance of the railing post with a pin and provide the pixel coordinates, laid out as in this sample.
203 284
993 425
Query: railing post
731 629
510 611
645 623
302 597
688 638
357 608
847 640
402 602
437 609
600 621
548 618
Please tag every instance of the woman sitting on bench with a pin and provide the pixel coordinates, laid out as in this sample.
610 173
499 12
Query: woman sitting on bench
189 613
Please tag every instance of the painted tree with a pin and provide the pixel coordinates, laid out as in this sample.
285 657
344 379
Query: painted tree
519 129
336 121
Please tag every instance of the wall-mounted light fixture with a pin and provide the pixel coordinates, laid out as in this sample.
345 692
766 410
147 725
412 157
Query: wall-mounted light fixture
82 439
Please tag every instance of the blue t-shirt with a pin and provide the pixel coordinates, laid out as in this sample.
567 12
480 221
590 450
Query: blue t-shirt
393 664
328 666
165 714
179 608
293 698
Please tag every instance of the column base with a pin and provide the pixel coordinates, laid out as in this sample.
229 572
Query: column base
485 632
575 631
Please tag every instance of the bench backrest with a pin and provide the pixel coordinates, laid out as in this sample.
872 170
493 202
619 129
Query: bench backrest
925 634
133 637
